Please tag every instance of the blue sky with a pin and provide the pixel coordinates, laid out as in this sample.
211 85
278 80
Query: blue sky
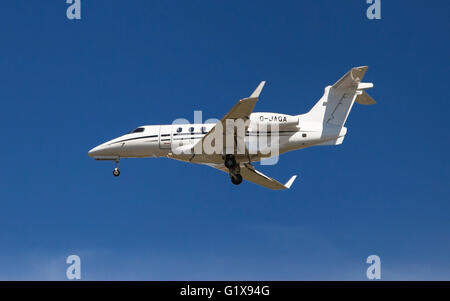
66 86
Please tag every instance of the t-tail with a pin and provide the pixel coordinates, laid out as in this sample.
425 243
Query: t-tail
331 112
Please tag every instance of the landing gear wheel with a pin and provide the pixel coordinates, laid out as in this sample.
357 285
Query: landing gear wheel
236 179
116 172
230 161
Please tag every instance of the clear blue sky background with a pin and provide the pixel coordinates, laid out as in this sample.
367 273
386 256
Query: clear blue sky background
66 86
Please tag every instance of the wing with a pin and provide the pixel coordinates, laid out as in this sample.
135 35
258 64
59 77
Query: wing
249 173
241 110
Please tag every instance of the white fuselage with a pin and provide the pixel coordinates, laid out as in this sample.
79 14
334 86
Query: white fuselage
160 140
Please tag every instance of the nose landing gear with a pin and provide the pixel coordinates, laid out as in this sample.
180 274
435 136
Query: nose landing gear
116 171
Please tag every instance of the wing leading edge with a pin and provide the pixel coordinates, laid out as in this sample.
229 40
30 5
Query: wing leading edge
241 110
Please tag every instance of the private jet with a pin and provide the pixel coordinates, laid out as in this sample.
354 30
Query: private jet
232 146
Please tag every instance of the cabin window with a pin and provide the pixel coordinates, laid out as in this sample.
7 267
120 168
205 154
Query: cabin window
138 130
179 130
191 129
203 129
304 135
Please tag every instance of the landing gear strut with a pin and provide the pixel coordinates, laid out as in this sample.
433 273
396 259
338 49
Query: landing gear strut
116 171
230 161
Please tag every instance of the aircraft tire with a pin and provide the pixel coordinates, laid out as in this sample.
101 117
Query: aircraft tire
236 179
116 172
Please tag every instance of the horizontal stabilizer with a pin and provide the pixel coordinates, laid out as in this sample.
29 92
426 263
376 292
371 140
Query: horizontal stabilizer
365 86
365 99
351 79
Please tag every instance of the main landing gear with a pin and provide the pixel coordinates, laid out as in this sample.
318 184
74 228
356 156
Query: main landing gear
233 167
116 171
230 161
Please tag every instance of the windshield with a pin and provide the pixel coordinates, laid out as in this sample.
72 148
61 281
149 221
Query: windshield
137 130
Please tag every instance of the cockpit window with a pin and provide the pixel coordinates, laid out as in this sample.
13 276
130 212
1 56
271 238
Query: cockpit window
138 130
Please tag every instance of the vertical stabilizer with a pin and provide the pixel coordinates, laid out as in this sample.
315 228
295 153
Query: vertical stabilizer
333 108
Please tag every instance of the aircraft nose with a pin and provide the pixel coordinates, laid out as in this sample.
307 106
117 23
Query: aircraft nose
95 151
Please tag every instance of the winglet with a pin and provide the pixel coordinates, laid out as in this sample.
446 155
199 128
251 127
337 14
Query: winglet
289 183
258 90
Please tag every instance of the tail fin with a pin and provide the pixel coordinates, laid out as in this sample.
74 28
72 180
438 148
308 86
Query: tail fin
335 105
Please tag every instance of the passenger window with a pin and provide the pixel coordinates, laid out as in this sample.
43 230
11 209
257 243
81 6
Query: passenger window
191 129
179 130
303 135
203 129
